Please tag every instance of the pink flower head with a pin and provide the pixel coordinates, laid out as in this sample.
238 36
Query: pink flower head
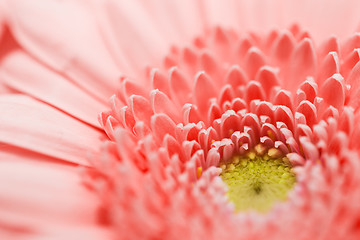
236 131
225 95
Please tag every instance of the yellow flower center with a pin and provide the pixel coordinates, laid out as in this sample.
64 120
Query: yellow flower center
257 182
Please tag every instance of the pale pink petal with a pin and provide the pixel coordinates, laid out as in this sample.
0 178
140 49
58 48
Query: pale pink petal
68 47
42 198
32 125
48 86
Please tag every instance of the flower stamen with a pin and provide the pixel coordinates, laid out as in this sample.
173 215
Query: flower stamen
257 181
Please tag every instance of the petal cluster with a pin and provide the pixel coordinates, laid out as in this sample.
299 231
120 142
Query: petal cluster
222 96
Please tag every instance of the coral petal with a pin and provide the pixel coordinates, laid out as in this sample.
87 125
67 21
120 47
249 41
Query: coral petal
208 62
333 91
254 60
254 90
310 151
141 108
229 124
284 98
346 122
284 46
310 89
329 67
309 111
180 89
161 125
236 77
159 81
162 104
267 77
330 45
303 63
284 114
204 90
129 88
354 81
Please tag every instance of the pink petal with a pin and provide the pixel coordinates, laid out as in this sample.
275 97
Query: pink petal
208 62
49 86
310 151
244 45
38 127
173 147
179 87
236 76
141 130
354 81
161 125
339 140
129 87
309 111
159 81
310 89
230 122
254 91
268 78
349 62
238 104
352 43
346 121
213 113
303 63
190 57
330 45
204 90
265 108
226 94
190 147
333 91
284 114
213 158
283 98
110 125
68 47
127 117
141 109
41 198
284 46
254 60
162 104
191 114
329 67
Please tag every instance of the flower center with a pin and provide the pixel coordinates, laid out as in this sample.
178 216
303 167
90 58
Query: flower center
257 182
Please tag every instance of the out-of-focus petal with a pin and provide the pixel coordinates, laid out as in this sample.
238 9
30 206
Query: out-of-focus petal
62 34
42 198
51 87
33 125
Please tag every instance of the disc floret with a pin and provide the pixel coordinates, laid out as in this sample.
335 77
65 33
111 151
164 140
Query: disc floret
257 181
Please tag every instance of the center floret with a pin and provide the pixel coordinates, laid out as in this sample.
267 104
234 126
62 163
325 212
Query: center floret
257 181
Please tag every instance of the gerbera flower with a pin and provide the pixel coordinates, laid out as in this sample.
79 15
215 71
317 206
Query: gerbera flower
269 143
269 117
